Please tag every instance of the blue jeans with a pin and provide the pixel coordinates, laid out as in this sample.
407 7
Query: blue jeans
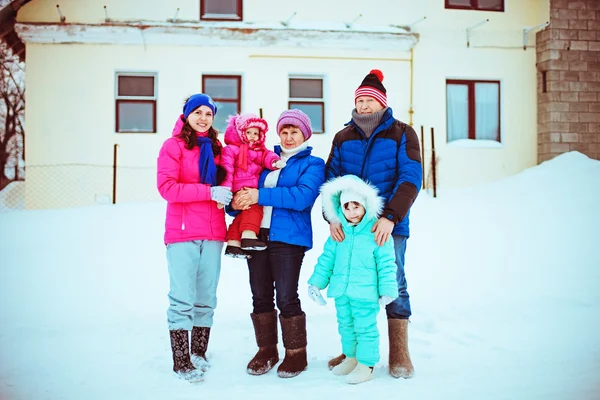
399 308
274 275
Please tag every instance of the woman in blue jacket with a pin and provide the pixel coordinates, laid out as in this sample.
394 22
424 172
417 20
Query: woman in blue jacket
287 196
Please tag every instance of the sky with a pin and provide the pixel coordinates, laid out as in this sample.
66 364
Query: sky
504 281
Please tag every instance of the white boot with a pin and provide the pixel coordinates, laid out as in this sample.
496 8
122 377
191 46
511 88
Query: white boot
360 374
345 367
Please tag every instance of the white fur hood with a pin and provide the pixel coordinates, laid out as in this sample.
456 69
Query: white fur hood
331 191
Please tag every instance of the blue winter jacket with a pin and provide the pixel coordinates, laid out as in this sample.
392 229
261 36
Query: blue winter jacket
293 198
390 159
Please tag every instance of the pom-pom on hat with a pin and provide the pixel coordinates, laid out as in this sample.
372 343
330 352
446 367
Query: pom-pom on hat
372 86
297 118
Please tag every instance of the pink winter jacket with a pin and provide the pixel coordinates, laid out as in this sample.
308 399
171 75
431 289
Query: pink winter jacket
191 214
258 158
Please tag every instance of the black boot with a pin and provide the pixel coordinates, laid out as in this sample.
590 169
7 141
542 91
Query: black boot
265 329
293 330
182 366
200 335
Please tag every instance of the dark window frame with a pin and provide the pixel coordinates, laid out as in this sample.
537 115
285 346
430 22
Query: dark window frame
312 103
308 100
474 6
237 101
225 17
136 99
470 83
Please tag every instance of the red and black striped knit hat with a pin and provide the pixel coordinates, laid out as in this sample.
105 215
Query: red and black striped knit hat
372 86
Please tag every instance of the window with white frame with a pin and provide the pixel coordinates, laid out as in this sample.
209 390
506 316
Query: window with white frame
226 91
473 109
219 10
479 5
306 94
135 102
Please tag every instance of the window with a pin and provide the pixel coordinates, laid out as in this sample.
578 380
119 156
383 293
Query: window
226 91
135 102
306 94
218 10
481 5
473 110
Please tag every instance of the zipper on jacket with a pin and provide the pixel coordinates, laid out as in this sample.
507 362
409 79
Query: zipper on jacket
183 218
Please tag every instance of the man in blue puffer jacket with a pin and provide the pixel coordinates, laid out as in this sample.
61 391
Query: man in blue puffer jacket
385 152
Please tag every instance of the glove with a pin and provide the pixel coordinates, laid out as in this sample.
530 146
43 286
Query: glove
279 164
385 300
315 295
221 194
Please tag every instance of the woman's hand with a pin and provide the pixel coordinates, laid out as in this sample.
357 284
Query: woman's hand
236 205
246 197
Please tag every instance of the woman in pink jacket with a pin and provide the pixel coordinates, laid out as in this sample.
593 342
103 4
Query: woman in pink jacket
194 231
244 158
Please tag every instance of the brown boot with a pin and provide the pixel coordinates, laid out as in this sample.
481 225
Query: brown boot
400 364
265 330
293 330
200 335
182 366
335 361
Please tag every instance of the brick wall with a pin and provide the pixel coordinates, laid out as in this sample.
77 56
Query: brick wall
568 64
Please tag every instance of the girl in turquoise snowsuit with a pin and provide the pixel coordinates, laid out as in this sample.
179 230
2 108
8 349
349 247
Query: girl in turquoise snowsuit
361 275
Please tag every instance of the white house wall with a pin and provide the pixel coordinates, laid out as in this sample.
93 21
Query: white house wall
70 116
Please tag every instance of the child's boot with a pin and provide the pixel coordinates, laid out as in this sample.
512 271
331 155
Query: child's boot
360 374
234 250
345 367
251 242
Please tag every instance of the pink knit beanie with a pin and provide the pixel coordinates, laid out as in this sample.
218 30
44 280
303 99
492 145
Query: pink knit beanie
297 118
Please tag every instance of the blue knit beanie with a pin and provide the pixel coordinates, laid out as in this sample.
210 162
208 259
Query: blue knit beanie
196 101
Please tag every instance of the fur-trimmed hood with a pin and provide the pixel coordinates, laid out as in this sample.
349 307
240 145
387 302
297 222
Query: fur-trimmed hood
332 190
235 133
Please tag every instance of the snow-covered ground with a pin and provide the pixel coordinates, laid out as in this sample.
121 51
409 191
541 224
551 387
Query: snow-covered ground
504 280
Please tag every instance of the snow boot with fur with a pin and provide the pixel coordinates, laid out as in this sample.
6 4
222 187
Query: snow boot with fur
345 367
293 330
400 364
200 335
360 374
265 330
182 366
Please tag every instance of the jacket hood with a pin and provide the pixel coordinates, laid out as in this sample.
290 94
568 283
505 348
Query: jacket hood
178 126
332 190
235 133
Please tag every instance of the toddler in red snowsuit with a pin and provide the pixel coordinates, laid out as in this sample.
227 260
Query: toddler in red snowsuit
244 158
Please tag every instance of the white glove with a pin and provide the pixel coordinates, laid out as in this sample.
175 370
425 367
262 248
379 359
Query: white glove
221 194
385 300
279 164
315 295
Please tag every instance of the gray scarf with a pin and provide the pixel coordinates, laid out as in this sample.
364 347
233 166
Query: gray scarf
368 122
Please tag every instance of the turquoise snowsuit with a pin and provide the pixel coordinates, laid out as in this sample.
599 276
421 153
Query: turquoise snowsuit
356 270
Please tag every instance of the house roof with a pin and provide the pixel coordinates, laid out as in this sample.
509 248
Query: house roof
8 14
